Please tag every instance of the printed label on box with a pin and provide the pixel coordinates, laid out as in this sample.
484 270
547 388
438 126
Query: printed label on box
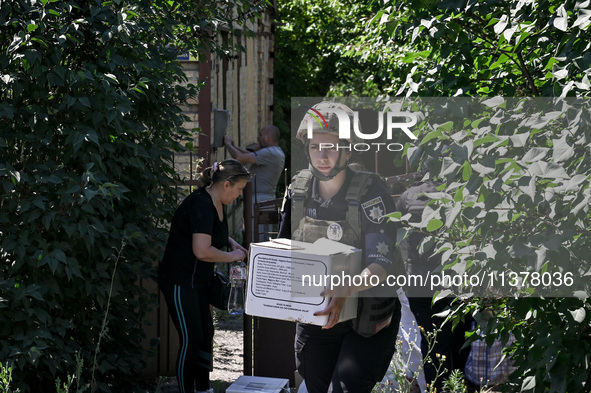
278 278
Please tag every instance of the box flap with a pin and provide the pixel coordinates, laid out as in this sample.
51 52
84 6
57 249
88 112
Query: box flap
324 246
283 244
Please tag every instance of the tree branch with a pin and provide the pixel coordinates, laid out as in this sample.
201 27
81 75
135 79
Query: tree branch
525 71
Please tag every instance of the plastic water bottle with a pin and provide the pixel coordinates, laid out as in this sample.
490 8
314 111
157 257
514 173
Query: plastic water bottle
238 280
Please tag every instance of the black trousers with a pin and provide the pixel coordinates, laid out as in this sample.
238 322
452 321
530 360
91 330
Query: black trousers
191 315
340 360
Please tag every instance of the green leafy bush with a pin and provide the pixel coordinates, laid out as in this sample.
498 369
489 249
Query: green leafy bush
478 48
539 173
89 119
514 202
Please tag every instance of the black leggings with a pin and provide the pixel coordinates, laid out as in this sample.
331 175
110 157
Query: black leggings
191 315
340 360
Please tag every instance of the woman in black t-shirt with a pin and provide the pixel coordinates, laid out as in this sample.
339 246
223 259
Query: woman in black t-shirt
198 237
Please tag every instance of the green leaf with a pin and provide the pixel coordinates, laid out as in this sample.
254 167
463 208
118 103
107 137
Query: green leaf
6 110
441 295
482 169
85 101
518 250
434 225
522 37
548 170
500 61
494 102
519 140
491 220
32 27
529 383
59 255
413 56
446 127
492 200
527 185
451 214
583 20
449 167
395 216
582 206
578 314
560 73
433 134
39 201
16 176
402 233
500 25
485 140
466 171
561 21
535 154
459 194
561 150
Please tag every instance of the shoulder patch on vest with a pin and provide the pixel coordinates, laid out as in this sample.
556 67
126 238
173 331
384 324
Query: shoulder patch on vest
374 210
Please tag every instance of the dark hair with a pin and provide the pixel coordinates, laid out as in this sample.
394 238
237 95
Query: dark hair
230 170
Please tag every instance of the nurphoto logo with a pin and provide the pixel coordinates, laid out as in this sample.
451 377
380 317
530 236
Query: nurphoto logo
389 120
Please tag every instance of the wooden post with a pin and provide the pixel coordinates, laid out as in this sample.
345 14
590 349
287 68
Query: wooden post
247 320
205 111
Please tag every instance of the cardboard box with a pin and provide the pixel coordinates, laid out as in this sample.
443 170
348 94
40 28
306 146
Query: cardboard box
248 384
285 279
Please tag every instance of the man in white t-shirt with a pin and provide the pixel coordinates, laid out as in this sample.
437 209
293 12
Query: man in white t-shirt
266 162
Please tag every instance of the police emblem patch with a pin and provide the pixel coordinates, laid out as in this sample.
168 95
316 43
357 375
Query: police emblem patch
374 210
382 248
334 232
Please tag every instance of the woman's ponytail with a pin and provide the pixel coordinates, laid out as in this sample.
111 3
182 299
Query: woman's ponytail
228 170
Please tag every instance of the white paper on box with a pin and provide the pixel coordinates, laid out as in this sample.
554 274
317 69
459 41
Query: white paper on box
275 289
252 384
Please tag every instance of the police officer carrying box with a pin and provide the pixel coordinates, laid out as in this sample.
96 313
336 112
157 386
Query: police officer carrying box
331 200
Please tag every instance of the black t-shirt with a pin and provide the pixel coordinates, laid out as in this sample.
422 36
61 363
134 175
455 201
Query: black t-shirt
196 214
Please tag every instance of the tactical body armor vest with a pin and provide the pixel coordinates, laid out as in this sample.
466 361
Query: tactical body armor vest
310 229
372 313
